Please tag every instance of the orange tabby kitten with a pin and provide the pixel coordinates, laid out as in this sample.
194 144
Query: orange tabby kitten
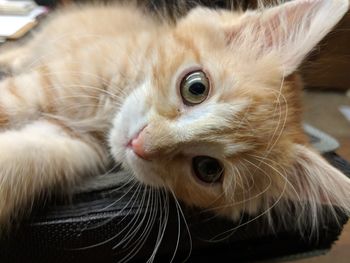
208 107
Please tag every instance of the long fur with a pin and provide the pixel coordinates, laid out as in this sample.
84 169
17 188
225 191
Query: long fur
73 105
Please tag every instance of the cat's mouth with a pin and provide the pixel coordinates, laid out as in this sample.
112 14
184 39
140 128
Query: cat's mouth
143 170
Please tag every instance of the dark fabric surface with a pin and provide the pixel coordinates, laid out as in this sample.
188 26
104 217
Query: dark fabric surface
92 227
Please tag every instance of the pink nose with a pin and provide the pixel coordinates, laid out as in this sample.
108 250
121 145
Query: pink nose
137 145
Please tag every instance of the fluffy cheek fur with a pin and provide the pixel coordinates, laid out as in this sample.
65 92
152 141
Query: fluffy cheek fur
273 169
172 167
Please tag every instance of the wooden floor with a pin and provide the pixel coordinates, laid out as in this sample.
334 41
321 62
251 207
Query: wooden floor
321 110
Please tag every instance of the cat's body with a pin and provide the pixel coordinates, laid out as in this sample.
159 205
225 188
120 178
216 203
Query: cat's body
208 108
69 85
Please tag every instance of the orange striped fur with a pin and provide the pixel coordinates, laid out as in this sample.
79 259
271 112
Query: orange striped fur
82 89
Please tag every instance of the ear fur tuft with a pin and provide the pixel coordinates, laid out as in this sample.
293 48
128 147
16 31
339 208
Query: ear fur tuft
316 183
289 31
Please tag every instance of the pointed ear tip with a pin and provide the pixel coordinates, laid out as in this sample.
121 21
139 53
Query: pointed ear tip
340 3
344 4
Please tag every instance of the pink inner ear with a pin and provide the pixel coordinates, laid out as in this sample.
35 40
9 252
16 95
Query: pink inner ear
276 25
282 24
289 31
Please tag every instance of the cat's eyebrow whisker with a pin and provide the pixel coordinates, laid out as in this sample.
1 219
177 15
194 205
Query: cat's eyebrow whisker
236 177
247 187
270 146
262 159
243 189
239 181
295 192
242 120
236 174
278 94
267 175
247 170
265 212
223 193
233 181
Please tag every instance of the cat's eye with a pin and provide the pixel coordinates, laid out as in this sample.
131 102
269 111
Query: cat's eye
207 169
194 88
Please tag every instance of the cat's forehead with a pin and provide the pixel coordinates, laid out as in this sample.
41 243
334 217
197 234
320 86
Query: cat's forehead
200 16
205 45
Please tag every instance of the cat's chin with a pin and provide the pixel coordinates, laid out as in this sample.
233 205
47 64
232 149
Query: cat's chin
144 171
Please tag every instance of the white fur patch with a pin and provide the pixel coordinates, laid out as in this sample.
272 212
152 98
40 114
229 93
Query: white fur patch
131 118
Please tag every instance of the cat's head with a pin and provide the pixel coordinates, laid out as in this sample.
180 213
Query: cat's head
218 119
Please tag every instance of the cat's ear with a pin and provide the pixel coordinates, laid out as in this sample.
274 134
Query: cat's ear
290 30
314 180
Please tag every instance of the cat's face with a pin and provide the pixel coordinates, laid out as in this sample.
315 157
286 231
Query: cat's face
218 116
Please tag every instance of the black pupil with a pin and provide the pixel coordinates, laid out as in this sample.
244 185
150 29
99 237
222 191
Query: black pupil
197 88
207 169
